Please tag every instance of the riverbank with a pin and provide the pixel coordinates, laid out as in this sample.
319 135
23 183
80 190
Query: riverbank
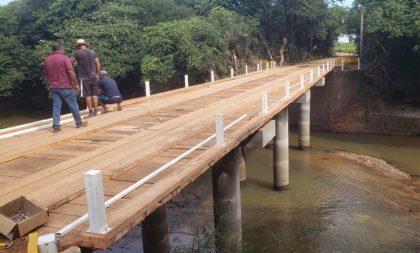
377 117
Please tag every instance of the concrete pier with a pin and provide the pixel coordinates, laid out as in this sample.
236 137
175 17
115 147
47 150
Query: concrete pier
155 232
242 165
227 201
281 151
304 121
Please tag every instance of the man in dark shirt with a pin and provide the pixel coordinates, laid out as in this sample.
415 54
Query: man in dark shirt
109 92
62 84
88 67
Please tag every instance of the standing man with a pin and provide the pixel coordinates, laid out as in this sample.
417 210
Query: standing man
88 67
109 92
62 84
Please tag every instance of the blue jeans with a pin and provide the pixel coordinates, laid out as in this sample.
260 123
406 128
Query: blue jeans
69 96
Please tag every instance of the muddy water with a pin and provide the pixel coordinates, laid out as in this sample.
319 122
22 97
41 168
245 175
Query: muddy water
333 204
9 117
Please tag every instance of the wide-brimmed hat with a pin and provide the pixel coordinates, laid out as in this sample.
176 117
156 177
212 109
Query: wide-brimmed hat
80 42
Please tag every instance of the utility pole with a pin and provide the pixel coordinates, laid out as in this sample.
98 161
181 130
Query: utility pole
361 35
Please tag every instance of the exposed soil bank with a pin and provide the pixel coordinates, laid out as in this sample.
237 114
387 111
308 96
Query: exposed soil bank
366 116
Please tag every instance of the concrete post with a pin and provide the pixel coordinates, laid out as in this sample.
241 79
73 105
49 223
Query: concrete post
246 69
258 67
266 65
264 102
220 132
212 76
319 71
147 84
281 151
302 81
95 202
231 72
304 123
242 165
155 232
227 202
186 81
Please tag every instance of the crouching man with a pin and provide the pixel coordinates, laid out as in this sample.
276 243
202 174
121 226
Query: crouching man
108 92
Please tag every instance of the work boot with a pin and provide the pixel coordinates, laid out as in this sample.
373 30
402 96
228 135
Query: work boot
91 113
56 129
83 124
95 113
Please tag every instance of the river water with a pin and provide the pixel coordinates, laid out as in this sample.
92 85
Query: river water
333 204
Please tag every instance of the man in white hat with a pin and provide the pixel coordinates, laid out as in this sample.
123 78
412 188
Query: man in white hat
88 68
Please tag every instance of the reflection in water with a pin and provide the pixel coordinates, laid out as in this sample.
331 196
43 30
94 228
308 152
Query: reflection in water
333 205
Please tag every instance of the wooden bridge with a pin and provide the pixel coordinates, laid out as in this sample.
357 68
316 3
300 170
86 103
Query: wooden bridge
126 146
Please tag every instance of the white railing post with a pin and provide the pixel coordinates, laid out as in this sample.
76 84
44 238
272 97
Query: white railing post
246 69
342 64
311 75
302 81
95 202
47 243
220 132
147 86
323 68
266 65
319 71
275 64
231 72
264 101
358 63
186 81
258 67
287 86
212 76
328 65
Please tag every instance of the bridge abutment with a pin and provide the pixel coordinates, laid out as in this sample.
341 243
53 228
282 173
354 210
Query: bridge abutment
155 232
227 201
281 151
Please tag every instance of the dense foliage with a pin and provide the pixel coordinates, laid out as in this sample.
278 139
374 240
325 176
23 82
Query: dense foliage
391 47
161 40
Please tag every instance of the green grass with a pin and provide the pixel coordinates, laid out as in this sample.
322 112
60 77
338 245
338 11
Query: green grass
345 47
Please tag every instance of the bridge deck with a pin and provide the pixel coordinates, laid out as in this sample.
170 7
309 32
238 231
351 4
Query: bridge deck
48 167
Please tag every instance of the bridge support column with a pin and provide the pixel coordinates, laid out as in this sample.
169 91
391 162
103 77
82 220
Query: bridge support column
304 120
155 232
227 201
281 151
242 165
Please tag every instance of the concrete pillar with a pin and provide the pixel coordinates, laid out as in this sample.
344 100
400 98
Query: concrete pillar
242 165
281 151
304 124
227 201
155 232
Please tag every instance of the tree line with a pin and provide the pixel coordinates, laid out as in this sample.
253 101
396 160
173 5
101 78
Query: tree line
391 47
161 40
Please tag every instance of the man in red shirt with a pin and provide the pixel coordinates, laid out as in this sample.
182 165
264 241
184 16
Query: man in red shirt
62 84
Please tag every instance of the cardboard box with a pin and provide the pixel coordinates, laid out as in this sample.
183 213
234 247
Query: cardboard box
12 229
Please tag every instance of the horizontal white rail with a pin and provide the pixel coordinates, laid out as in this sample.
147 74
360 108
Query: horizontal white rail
131 188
